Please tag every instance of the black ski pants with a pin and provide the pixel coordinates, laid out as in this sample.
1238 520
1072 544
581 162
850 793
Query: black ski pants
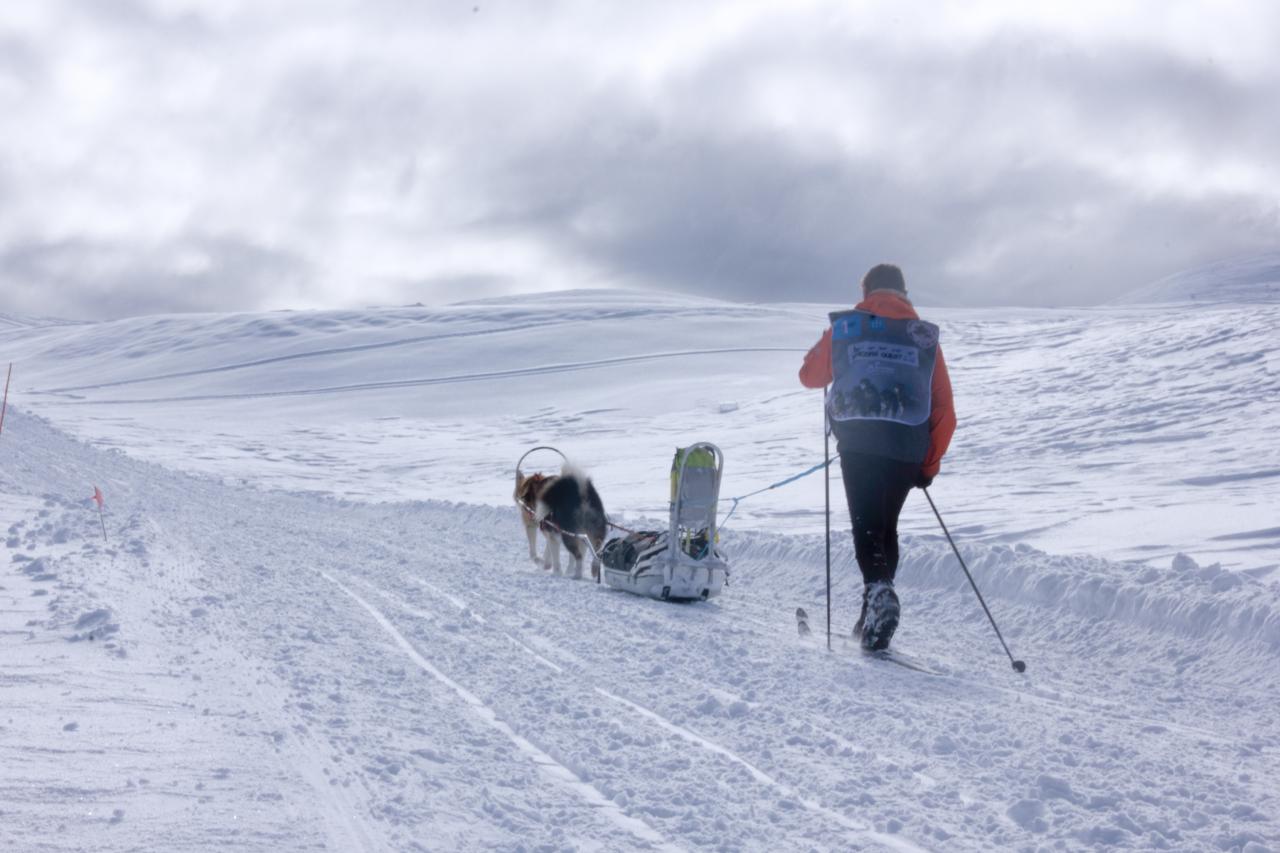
876 488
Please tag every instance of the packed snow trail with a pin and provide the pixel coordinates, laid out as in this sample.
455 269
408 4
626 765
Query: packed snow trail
556 771
259 685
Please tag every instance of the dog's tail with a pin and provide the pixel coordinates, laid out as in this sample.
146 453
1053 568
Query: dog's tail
592 519
580 505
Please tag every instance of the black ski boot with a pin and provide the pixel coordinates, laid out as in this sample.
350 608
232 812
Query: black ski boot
862 617
881 618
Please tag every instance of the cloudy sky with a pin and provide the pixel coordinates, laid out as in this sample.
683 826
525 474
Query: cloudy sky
172 155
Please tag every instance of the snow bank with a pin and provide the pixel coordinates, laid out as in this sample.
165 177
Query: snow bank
1184 598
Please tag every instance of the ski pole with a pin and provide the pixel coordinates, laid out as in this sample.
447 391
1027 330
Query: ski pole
826 482
1018 665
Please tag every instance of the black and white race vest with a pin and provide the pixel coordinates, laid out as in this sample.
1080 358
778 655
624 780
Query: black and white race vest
881 391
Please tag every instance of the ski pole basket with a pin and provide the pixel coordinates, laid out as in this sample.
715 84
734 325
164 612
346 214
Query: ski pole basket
681 563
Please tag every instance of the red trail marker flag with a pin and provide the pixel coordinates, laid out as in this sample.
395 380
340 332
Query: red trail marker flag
99 500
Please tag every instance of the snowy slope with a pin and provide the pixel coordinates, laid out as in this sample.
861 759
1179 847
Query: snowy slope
313 626
1133 433
10 322
1249 280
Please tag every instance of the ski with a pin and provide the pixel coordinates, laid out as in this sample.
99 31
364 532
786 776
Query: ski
888 655
894 656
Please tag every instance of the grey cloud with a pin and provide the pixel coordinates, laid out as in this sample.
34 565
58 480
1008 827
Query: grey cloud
20 61
78 279
141 18
462 288
755 216
1120 94
727 208
988 177
341 119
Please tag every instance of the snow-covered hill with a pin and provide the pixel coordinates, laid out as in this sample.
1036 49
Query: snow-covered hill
312 624
1240 281
1133 433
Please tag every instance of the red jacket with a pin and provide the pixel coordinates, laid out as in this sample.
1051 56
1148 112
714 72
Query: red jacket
816 373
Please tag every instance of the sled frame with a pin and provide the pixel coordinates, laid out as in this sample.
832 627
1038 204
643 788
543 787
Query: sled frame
683 520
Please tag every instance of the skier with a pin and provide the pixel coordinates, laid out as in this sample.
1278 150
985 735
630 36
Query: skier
882 459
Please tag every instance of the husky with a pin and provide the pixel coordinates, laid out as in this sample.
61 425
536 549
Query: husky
567 508
866 399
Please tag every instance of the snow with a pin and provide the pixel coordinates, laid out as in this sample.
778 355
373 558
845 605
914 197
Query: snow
1057 408
314 625
1248 280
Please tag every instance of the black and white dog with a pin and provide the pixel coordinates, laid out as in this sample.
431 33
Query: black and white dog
568 509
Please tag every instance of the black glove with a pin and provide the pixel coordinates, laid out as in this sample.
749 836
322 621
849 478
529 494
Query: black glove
923 481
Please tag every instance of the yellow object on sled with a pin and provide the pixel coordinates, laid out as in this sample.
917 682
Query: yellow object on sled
698 456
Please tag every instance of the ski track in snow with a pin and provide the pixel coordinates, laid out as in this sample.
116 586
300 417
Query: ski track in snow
860 836
556 771
540 370
859 830
560 321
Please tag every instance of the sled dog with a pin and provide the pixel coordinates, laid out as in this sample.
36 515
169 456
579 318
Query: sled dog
567 508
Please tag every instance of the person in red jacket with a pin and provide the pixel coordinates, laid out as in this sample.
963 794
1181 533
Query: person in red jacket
881 460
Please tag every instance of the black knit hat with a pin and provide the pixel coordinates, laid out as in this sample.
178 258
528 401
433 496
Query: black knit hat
884 277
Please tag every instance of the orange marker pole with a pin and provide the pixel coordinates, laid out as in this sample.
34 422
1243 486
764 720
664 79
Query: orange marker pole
99 500
5 404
